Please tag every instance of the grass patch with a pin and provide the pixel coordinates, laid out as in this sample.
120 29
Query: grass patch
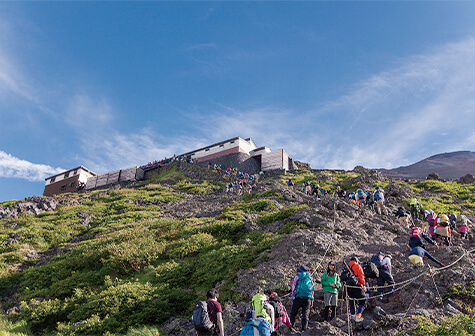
280 215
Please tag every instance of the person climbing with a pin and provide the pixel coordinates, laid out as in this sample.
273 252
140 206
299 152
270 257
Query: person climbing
303 296
379 201
256 325
462 225
356 293
215 314
331 283
443 229
431 220
340 192
352 197
403 216
290 184
263 308
415 238
281 316
360 197
370 199
414 203
417 254
385 276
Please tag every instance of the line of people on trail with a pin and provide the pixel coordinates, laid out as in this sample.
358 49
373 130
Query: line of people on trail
438 227
267 315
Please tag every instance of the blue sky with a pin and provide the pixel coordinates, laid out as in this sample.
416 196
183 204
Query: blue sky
109 85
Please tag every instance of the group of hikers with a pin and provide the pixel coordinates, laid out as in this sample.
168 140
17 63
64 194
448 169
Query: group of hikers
435 227
159 163
267 314
372 199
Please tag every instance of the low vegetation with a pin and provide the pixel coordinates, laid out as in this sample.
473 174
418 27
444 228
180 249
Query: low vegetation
114 263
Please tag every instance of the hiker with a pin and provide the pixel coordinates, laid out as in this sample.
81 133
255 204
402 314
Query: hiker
403 216
431 219
256 325
215 314
331 283
262 308
281 316
303 296
360 197
379 201
414 203
417 255
352 197
385 276
290 184
339 192
443 229
462 225
356 293
415 238
370 199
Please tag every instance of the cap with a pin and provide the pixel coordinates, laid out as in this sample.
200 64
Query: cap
273 294
332 263
302 268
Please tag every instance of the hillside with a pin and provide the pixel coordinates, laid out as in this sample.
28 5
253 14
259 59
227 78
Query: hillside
133 259
449 166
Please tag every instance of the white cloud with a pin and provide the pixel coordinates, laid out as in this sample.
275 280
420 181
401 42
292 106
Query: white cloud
12 167
399 116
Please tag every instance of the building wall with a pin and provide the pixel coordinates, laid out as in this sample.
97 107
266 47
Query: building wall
62 182
116 176
65 185
277 159
236 145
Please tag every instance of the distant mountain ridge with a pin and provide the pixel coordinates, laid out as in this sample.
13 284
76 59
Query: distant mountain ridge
449 166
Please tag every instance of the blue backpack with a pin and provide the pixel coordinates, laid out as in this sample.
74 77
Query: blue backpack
304 288
257 327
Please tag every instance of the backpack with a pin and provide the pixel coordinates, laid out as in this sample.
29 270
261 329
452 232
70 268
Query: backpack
304 287
262 327
361 193
461 220
431 219
349 278
377 195
370 270
415 232
259 306
443 220
377 259
370 198
400 212
201 318
278 309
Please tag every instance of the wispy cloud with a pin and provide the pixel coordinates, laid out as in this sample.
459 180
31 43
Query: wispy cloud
13 167
424 106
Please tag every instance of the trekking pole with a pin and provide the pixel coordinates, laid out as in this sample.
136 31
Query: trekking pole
350 331
433 280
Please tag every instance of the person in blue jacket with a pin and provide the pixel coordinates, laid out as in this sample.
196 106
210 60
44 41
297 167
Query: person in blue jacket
417 255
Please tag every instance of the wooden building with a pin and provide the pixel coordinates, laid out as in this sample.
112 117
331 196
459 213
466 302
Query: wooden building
69 181
113 177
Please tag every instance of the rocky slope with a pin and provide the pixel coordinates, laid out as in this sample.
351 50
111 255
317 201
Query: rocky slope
335 229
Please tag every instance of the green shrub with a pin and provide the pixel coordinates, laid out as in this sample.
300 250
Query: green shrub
290 226
282 214
463 324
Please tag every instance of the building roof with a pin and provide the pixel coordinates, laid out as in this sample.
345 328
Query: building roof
220 143
77 168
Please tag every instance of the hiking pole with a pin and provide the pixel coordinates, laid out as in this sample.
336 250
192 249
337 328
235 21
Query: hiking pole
433 280
350 331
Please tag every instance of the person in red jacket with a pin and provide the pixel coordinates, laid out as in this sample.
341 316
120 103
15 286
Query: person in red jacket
357 294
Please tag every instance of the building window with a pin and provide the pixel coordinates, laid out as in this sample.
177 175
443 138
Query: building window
71 185
207 150
63 187
66 175
232 141
52 180
75 172
221 145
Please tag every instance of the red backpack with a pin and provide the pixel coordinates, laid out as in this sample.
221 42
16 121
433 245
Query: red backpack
415 232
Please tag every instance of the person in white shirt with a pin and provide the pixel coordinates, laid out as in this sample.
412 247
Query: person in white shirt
385 276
